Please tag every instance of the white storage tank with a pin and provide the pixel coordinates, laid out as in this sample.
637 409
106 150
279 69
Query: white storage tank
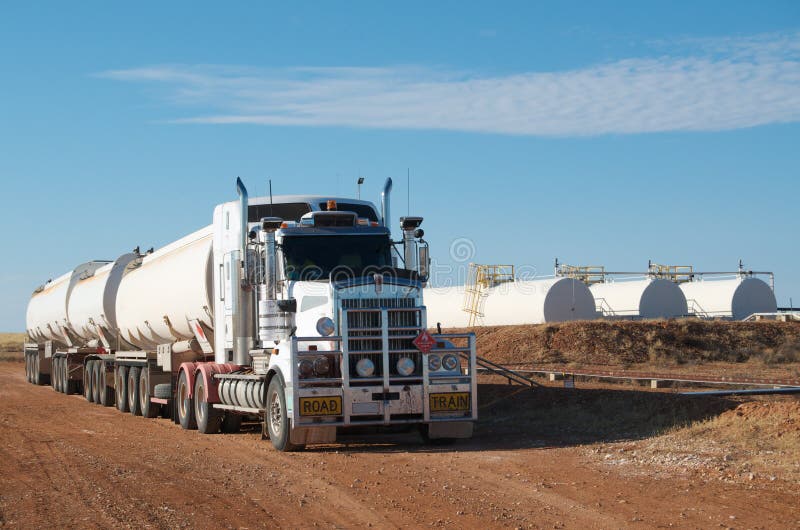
736 298
646 298
92 304
520 302
47 317
163 292
444 305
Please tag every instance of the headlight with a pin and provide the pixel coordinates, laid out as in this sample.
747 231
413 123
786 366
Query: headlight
365 367
325 326
305 367
450 362
405 366
434 362
321 365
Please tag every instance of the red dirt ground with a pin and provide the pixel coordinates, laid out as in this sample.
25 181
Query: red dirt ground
538 460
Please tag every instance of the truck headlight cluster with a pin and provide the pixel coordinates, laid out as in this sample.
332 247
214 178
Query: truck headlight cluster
305 367
405 366
365 367
448 363
434 362
325 326
321 366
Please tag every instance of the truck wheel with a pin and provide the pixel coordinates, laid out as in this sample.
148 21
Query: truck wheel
133 391
66 384
63 378
98 384
148 408
185 404
106 393
231 423
121 387
276 416
88 381
36 375
56 382
208 418
27 367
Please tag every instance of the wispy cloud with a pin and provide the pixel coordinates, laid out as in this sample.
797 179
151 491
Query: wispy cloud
702 85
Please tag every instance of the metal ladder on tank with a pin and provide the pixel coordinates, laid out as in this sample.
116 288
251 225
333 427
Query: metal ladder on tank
695 309
479 279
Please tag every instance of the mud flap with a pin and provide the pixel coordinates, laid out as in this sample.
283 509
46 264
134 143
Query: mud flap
450 429
312 435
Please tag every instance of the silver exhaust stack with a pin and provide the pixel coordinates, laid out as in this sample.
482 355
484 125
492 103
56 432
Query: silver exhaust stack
243 318
385 214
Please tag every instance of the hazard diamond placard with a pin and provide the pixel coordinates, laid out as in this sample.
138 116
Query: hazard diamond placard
424 341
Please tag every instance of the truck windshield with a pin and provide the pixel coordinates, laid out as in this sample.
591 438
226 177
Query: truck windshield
317 257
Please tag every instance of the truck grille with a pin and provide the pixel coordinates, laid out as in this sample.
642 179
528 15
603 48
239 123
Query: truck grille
364 333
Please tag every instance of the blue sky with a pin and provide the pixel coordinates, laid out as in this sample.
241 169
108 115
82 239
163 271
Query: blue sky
603 133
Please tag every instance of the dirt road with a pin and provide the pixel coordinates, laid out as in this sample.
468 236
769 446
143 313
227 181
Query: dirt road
65 462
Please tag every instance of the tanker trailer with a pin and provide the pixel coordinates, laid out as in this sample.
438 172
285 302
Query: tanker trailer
301 312
48 325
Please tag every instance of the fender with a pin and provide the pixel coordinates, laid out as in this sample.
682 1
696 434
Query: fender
207 372
190 369
275 371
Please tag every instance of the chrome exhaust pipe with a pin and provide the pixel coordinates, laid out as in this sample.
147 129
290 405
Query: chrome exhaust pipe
244 316
385 214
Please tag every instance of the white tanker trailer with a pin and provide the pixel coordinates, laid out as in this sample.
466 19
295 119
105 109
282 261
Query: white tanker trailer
299 311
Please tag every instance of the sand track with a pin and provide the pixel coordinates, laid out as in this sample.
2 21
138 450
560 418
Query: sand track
69 463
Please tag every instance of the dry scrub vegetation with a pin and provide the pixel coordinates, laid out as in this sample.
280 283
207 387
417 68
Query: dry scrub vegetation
757 442
655 342
11 346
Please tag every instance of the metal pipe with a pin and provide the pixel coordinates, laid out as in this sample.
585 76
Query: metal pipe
752 392
385 214
244 316
410 250
270 266
243 203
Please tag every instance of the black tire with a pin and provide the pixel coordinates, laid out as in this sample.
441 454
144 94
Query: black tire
27 367
423 432
106 392
148 408
209 419
54 370
66 384
98 384
232 423
185 404
278 423
163 391
36 374
88 381
121 387
134 406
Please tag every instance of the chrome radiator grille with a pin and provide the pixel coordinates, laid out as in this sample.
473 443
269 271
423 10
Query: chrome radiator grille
364 338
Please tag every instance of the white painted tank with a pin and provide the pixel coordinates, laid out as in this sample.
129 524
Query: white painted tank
736 298
647 298
522 302
92 304
47 315
444 305
161 294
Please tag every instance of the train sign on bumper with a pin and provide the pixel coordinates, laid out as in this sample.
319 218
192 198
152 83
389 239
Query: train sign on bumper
450 402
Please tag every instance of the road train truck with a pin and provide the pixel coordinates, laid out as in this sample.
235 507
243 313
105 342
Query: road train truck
297 311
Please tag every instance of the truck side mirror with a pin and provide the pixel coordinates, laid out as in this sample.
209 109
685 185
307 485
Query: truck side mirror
424 263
